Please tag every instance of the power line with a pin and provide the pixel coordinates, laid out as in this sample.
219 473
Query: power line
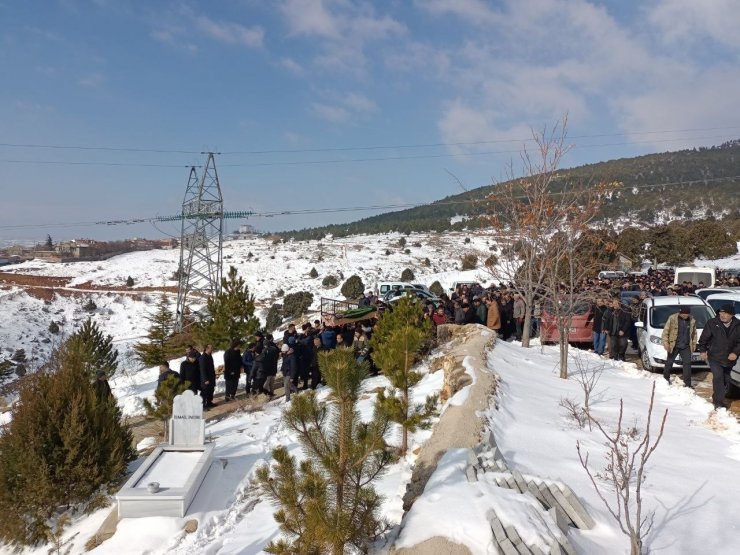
354 160
345 149
242 214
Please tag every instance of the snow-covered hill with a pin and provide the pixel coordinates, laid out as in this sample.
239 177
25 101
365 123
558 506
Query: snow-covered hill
266 267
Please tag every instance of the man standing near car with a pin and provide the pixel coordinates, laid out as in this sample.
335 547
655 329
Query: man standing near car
598 332
617 324
679 338
720 345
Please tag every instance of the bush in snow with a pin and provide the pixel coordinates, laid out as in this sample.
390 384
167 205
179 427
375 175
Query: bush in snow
91 349
491 261
436 288
296 304
407 275
90 306
469 262
53 327
65 448
274 317
327 503
313 273
129 281
329 282
426 262
402 242
353 288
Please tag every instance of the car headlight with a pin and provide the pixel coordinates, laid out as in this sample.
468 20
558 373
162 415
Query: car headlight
656 339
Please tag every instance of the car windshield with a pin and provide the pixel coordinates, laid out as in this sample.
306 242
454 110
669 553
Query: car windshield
659 315
717 303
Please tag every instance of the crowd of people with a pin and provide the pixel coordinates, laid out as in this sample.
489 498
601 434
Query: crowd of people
615 307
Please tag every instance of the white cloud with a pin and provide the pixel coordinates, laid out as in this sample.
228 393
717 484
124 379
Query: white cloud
333 114
473 11
359 103
684 22
92 81
230 33
292 66
343 29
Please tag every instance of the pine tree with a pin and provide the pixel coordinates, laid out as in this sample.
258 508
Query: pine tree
65 445
49 244
407 275
396 342
353 288
313 273
95 350
164 396
53 328
231 314
129 281
159 345
327 502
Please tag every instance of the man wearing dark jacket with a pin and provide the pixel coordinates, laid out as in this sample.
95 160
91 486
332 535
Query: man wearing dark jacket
289 370
207 377
598 333
270 363
190 371
248 365
232 369
617 323
164 373
720 345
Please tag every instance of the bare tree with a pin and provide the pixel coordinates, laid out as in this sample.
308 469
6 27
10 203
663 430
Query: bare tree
627 456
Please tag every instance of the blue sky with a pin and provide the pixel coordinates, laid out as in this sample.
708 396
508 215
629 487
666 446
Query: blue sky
316 82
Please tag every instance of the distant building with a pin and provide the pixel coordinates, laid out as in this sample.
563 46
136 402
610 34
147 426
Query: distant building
245 231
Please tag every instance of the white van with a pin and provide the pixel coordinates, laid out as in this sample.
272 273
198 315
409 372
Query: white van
694 274
384 286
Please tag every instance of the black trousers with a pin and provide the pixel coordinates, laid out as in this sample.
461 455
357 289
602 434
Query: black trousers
720 382
207 393
231 385
617 346
685 362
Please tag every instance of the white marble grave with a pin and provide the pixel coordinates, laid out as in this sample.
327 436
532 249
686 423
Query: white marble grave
169 479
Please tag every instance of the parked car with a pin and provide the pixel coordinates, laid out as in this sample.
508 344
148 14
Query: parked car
580 329
719 299
706 291
394 295
611 274
654 313
384 287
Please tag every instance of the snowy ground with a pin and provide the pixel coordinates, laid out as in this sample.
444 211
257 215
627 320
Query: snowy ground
24 320
690 485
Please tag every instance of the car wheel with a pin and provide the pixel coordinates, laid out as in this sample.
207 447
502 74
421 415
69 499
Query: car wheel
645 359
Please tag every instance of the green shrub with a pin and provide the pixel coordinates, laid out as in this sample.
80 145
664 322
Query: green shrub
491 261
469 262
353 288
329 282
313 273
426 262
64 447
407 275
296 304
129 281
436 288
402 242
53 327
274 317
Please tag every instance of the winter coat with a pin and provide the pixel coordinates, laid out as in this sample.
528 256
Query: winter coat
460 315
519 308
670 333
304 352
248 361
439 319
190 371
290 338
207 370
258 366
272 354
290 365
329 338
493 319
232 364
616 321
482 313
597 317
166 374
470 315
718 340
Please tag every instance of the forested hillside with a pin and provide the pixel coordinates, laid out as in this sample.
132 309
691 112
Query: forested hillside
655 188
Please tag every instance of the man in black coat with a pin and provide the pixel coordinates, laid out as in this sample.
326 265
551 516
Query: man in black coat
617 324
190 371
164 373
207 377
720 345
232 370
270 363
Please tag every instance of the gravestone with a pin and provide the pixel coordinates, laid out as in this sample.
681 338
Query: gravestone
187 427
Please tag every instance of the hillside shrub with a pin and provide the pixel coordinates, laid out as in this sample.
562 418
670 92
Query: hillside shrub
296 304
65 448
467 240
491 261
353 288
90 306
407 251
53 327
329 281
91 349
274 317
313 273
387 252
158 345
436 288
469 262
407 275
402 242
426 262
129 281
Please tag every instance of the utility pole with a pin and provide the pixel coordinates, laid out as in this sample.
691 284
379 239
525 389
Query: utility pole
201 241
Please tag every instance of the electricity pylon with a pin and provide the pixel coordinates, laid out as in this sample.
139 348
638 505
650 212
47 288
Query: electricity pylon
201 241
